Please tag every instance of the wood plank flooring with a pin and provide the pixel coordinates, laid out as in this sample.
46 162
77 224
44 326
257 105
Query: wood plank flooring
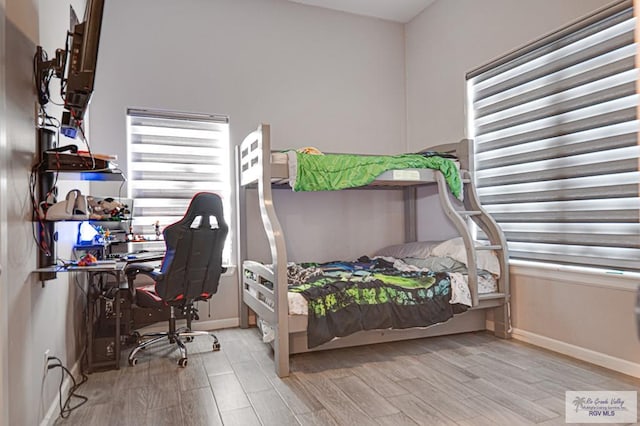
465 379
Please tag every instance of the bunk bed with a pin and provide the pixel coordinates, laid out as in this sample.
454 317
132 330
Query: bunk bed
266 290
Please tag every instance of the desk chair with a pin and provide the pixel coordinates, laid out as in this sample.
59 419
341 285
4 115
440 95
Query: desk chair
190 272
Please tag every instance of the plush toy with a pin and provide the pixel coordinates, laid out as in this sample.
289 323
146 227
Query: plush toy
107 208
87 260
310 150
95 211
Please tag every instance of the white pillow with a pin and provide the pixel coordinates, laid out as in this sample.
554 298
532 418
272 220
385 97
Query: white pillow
454 248
418 249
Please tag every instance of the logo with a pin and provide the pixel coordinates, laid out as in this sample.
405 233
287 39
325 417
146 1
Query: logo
601 406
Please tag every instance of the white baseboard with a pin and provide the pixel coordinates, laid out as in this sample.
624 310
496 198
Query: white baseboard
212 325
584 354
54 409
491 326
598 358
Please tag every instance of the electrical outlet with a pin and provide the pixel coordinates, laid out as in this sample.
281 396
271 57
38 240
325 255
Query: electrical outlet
45 364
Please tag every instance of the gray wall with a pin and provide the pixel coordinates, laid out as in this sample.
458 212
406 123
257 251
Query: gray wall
451 37
584 315
319 77
34 318
4 317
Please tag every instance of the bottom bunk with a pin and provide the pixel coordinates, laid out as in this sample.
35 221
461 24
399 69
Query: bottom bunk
402 292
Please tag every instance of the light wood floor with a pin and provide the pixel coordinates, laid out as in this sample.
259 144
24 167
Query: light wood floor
466 379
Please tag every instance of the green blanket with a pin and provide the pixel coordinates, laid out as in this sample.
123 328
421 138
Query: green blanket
339 171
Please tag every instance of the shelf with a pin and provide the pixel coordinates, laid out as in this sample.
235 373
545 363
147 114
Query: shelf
104 223
103 175
64 166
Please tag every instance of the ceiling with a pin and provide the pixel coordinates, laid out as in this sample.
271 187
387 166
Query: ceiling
393 10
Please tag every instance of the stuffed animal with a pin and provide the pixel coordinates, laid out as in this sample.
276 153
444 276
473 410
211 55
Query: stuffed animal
310 150
107 208
87 260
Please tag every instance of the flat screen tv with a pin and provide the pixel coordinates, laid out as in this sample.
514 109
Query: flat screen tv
75 66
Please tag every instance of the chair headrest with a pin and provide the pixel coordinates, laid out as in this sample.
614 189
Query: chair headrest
205 210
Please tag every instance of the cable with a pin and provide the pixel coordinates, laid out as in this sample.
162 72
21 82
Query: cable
86 141
43 243
66 408
82 290
39 208
46 120
63 80
124 180
41 81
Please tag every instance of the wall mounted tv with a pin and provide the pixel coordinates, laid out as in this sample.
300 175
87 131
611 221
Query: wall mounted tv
75 65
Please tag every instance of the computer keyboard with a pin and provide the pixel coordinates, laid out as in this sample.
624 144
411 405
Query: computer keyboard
140 255
143 256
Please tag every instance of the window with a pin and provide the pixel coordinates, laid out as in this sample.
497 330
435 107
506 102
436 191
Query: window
556 143
171 157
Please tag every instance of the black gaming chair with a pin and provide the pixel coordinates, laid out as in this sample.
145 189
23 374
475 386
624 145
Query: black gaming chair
190 272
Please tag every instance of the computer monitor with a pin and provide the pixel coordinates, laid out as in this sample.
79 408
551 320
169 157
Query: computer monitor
75 65
81 70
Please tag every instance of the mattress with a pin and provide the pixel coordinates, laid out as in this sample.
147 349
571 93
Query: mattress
298 304
437 256
310 172
283 158
279 158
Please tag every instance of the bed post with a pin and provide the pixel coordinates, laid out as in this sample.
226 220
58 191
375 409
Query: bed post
278 252
241 239
410 214
501 314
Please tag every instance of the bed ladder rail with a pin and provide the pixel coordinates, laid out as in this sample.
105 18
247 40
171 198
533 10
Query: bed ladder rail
473 212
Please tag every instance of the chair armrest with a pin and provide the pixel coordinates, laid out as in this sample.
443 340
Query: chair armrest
133 269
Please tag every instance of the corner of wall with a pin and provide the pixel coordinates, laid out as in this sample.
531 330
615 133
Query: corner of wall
4 317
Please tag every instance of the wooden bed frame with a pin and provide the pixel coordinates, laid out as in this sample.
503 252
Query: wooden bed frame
256 169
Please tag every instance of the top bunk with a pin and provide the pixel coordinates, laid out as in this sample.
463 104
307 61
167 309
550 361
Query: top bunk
258 163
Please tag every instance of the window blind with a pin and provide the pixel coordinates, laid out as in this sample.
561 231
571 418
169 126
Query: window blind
171 157
556 143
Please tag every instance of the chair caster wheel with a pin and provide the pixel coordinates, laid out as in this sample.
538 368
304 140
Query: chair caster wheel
182 362
216 346
133 362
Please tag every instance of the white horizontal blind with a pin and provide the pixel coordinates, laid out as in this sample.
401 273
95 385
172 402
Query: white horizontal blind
171 157
556 139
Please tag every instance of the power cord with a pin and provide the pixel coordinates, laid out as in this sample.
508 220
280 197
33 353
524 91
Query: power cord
83 137
39 211
66 408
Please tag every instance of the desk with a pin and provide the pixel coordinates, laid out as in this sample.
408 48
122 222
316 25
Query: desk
97 279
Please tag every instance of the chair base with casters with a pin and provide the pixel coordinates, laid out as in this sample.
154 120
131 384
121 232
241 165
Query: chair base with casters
175 336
